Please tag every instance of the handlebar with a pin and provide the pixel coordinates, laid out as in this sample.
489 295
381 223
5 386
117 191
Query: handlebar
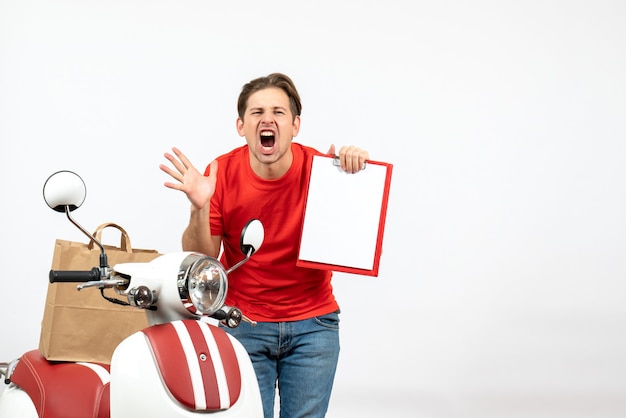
74 276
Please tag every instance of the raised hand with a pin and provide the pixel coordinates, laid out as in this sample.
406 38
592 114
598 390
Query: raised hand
198 188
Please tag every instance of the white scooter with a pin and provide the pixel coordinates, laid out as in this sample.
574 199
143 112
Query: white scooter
179 366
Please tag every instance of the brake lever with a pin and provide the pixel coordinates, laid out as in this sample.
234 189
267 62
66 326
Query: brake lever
102 284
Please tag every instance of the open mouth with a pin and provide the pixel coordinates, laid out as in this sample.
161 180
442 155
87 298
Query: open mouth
267 139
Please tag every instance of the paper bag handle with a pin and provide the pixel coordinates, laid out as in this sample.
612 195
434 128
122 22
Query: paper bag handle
124 239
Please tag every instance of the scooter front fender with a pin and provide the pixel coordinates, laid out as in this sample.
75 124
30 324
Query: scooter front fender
139 383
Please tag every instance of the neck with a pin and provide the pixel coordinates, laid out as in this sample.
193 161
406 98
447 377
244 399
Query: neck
272 170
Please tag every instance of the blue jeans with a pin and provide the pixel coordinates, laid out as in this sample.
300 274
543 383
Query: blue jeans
300 356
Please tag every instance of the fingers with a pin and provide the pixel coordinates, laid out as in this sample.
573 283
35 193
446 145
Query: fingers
176 175
175 186
183 159
198 188
180 162
352 159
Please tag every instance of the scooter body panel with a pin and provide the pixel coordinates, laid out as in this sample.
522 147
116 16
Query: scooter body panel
16 403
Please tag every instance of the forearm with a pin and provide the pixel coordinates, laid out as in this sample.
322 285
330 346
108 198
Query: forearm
197 236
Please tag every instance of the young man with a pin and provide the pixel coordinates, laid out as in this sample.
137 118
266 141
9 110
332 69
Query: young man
295 344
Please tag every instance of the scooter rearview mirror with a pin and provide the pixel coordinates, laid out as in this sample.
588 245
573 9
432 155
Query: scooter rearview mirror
64 190
252 237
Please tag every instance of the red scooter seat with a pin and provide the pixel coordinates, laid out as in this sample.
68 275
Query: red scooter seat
64 389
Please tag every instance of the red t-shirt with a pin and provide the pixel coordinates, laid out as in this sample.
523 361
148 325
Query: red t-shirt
269 287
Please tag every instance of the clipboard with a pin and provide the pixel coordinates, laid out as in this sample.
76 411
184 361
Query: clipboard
344 217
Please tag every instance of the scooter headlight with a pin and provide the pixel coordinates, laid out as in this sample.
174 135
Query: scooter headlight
202 284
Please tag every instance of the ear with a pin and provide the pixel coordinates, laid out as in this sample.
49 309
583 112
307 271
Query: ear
240 127
296 126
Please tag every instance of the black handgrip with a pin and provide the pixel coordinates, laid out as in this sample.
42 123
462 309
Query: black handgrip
74 276
220 315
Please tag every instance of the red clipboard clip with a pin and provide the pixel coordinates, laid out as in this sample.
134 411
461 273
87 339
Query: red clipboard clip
337 163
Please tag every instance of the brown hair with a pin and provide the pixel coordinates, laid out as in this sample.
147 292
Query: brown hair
277 80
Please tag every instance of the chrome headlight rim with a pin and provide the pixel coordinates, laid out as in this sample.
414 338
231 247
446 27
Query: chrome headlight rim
202 284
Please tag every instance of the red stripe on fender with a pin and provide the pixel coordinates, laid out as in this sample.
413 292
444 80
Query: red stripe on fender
207 368
175 371
230 362
171 362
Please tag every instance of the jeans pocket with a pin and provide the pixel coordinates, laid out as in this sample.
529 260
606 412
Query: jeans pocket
330 320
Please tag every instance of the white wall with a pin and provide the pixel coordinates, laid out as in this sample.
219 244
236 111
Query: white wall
501 291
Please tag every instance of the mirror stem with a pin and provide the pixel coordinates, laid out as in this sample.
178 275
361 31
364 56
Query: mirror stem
241 262
103 258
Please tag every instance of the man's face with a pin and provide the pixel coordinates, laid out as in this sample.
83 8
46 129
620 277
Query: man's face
269 126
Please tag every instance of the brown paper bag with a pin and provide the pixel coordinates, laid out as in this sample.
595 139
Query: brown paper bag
82 325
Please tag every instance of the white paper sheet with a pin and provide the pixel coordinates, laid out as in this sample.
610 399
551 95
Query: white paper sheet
342 217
